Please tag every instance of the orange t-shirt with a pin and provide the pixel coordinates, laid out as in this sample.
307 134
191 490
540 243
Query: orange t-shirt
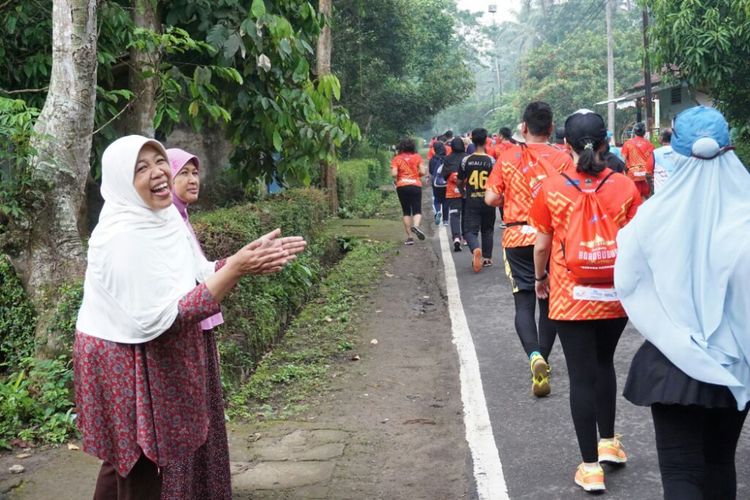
550 214
638 153
408 169
513 181
500 148
451 188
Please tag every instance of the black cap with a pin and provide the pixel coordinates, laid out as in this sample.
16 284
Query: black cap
585 126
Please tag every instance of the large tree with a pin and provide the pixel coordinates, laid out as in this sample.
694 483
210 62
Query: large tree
53 251
400 62
707 42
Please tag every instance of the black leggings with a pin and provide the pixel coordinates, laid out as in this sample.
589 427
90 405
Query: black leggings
589 348
540 340
696 449
411 200
478 217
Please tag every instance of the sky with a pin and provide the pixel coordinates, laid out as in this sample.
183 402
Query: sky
505 9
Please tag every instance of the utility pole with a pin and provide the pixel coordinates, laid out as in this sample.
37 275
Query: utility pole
610 72
646 72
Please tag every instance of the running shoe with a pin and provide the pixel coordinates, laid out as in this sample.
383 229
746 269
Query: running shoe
476 260
437 218
590 479
456 245
409 241
486 262
539 376
611 451
418 232
464 242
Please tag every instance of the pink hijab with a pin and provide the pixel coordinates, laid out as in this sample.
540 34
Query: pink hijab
178 158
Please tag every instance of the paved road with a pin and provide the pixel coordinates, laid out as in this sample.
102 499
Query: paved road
535 437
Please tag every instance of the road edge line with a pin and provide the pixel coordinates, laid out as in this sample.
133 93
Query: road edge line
488 470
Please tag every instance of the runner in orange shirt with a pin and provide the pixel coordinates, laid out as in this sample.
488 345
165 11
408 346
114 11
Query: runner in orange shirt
589 318
503 143
407 170
514 179
638 153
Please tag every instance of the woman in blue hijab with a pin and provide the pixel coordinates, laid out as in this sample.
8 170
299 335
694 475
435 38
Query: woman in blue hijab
686 287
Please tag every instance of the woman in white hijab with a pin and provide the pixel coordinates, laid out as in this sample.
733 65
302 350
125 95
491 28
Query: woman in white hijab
139 355
686 287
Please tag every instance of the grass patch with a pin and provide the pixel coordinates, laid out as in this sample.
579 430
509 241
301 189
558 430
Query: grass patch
289 378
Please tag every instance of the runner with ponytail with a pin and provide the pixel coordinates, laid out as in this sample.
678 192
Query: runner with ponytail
577 215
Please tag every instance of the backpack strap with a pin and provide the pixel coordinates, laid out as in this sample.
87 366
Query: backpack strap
611 172
570 181
575 185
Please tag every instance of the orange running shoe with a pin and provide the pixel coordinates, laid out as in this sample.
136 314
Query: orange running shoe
611 451
590 479
476 261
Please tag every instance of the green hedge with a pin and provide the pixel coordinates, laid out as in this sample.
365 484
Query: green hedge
358 183
257 311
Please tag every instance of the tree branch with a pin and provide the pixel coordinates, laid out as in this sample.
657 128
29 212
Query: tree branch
23 91
130 102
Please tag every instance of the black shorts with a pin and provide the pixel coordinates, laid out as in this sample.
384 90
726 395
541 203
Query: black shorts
410 198
519 266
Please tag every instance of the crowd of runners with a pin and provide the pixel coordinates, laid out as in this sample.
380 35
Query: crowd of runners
594 234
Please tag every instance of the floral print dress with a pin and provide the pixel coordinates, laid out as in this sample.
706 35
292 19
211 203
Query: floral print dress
161 399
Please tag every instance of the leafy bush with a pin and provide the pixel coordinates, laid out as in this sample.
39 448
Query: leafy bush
356 181
18 318
259 308
36 402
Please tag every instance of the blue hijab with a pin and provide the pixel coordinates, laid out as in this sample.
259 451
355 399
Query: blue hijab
683 264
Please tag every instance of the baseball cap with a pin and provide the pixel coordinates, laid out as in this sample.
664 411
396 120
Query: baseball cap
693 127
584 125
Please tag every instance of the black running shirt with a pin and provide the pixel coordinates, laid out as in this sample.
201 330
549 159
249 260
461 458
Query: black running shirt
474 170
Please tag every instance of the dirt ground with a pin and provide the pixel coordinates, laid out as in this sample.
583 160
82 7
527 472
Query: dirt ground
390 428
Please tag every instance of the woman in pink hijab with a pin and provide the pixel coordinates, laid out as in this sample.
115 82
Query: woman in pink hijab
206 473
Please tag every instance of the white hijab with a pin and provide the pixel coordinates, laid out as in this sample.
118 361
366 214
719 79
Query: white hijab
141 262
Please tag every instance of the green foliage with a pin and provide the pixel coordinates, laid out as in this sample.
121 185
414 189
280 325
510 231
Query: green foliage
245 65
358 184
573 74
36 402
556 53
259 308
288 378
18 318
708 44
20 194
62 325
276 106
400 62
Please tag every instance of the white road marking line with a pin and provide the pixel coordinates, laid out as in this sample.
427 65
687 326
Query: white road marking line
488 471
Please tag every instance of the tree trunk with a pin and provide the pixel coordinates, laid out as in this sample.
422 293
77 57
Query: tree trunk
142 110
323 66
54 252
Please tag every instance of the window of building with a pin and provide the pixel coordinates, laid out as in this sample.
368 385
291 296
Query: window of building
676 95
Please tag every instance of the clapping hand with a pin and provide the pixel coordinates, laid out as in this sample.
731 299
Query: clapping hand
269 253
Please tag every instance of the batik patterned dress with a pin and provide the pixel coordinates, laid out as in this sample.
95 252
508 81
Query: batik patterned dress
162 399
